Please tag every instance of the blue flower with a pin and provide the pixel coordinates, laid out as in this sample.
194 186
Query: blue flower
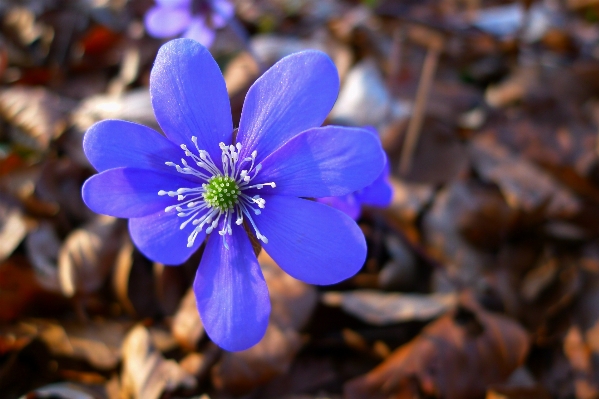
378 194
194 19
203 179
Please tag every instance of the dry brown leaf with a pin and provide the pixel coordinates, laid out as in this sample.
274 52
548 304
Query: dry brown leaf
98 342
88 254
39 115
240 73
536 280
409 199
456 357
133 106
12 229
578 353
513 88
240 372
292 304
146 374
381 308
443 237
535 392
187 327
18 288
61 390
42 246
365 100
131 278
524 185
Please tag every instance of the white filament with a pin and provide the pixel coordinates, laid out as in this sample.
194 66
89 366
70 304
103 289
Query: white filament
192 206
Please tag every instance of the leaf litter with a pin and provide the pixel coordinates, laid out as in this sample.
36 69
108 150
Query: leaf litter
482 276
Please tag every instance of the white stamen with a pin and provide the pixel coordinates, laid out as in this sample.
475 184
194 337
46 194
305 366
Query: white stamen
219 193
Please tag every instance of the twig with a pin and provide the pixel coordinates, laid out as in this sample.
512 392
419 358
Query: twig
415 125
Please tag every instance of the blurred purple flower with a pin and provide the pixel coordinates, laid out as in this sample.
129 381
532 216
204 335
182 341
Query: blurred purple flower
195 19
378 194
199 180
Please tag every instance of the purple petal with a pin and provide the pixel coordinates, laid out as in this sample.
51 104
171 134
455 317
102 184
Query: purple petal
223 11
189 96
159 237
345 203
323 162
294 95
380 192
174 3
114 144
310 241
164 22
199 32
231 293
131 193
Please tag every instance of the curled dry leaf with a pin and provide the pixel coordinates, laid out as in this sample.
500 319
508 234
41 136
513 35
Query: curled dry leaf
97 342
457 356
579 354
240 372
535 392
146 374
42 246
39 115
365 100
88 254
240 73
400 272
443 236
292 304
187 327
524 185
62 390
12 228
409 199
132 106
381 308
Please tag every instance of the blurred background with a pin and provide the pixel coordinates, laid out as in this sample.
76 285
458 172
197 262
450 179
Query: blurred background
482 276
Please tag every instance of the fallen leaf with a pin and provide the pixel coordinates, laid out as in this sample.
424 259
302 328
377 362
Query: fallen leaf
523 185
365 100
12 228
39 115
88 254
536 392
187 327
146 374
442 235
409 199
42 246
98 342
18 288
133 106
61 390
457 356
382 308
579 354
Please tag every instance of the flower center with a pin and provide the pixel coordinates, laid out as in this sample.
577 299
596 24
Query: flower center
222 193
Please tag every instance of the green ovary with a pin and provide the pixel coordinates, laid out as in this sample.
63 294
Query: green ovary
221 192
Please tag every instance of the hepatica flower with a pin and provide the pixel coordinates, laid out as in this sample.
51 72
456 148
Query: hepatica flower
194 19
378 194
202 179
